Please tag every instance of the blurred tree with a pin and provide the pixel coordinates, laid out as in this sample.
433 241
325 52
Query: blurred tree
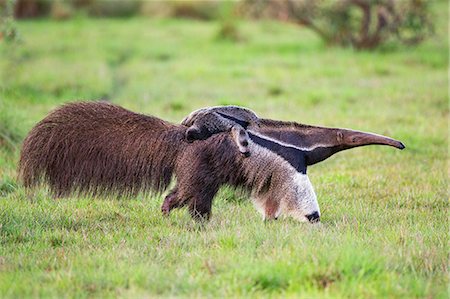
61 10
363 24
200 9
8 29
229 29
31 8
112 8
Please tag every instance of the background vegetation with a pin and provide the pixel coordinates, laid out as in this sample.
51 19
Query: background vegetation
362 24
384 230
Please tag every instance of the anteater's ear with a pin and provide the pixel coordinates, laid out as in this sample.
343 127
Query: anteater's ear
319 143
241 139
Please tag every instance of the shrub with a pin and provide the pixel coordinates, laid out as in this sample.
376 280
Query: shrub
362 24
61 10
228 30
201 10
114 8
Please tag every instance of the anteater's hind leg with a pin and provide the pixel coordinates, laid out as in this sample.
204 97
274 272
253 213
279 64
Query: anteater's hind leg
172 201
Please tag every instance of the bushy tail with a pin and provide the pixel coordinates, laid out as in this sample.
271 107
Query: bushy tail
99 148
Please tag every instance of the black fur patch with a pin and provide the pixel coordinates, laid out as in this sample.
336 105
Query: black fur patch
294 156
240 122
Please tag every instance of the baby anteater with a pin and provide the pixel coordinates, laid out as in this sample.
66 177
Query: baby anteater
205 122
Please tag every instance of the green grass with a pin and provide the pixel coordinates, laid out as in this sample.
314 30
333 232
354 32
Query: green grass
384 230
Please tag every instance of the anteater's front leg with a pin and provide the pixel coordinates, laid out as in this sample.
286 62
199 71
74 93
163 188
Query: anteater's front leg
201 202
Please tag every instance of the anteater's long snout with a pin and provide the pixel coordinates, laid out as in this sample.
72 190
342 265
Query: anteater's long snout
357 138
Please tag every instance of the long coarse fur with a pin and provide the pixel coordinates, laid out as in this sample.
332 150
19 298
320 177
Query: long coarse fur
100 148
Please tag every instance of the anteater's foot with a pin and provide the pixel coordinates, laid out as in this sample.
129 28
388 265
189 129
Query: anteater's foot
165 208
170 202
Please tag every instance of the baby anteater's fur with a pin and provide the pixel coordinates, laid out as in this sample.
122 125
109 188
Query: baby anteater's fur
98 148
205 122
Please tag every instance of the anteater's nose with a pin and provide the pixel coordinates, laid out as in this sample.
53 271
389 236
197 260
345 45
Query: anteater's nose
314 217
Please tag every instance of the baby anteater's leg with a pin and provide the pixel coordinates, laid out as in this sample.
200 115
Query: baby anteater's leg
196 133
241 139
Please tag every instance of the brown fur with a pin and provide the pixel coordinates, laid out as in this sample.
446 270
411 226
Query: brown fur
99 148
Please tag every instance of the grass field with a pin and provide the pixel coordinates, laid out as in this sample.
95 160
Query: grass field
384 230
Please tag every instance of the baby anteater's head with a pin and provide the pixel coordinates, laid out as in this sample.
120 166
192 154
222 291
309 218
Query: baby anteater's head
205 122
